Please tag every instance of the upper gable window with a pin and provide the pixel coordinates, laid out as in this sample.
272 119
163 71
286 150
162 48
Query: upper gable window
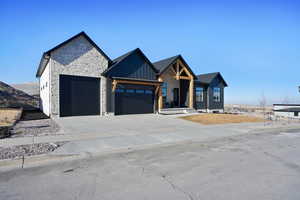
217 94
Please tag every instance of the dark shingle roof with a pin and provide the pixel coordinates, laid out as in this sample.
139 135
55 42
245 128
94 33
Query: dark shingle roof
209 77
46 55
117 60
163 64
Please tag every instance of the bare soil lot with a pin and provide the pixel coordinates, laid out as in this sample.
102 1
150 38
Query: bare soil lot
211 118
8 116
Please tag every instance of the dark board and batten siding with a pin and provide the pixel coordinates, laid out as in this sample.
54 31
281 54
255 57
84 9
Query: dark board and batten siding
202 104
134 66
217 82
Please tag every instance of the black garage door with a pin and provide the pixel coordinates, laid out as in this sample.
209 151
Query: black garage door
134 100
79 95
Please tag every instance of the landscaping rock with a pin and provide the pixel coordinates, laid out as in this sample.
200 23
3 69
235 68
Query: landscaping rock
31 128
19 151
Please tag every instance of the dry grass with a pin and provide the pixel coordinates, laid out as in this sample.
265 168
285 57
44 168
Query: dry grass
8 116
221 118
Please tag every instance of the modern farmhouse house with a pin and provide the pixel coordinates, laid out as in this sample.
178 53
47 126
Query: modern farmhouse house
78 78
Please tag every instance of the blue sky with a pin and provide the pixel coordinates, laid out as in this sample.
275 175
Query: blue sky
254 44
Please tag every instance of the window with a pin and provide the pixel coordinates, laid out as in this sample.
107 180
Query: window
140 91
296 114
164 89
130 91
119 90
148 91
217 94
199 94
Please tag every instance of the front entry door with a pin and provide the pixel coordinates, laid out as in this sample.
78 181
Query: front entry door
176 97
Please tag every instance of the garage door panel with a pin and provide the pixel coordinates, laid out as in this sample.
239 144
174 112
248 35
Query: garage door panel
128 102
79 96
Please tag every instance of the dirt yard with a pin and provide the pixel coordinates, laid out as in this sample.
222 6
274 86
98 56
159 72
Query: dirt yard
221 118
8 116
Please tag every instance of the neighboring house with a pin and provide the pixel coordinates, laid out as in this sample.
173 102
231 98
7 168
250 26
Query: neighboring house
286 110
78 78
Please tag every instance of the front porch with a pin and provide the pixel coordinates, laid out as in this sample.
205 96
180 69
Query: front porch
177 90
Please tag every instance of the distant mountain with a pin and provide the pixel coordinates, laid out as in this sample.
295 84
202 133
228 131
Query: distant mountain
31 88
12 97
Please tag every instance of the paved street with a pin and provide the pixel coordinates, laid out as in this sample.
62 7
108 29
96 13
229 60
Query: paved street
252 166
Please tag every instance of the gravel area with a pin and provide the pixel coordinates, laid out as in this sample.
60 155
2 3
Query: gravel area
31 128
28 150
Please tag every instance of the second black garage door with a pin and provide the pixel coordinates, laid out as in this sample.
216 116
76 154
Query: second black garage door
79 95
134 100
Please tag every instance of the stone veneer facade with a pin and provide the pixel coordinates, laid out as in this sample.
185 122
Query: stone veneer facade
80 58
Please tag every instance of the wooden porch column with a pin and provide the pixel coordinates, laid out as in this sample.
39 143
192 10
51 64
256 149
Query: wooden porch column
191 93
160 97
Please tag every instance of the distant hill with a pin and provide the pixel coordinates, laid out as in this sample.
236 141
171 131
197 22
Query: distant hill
31 88
11 97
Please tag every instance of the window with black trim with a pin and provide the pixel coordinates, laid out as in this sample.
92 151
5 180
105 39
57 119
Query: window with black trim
119 90
140 91
130 90
148 92
217 94
199 94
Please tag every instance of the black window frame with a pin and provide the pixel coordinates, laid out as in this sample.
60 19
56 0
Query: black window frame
217 94
140 91
199 92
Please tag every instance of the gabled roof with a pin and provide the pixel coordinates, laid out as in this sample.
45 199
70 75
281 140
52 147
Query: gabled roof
118 60
163 65
209 77
46 55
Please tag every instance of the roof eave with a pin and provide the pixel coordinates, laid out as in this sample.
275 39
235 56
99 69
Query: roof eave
43 63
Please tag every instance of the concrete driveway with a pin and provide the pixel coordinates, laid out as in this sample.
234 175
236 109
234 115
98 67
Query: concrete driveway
92 134
137 124
124 125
